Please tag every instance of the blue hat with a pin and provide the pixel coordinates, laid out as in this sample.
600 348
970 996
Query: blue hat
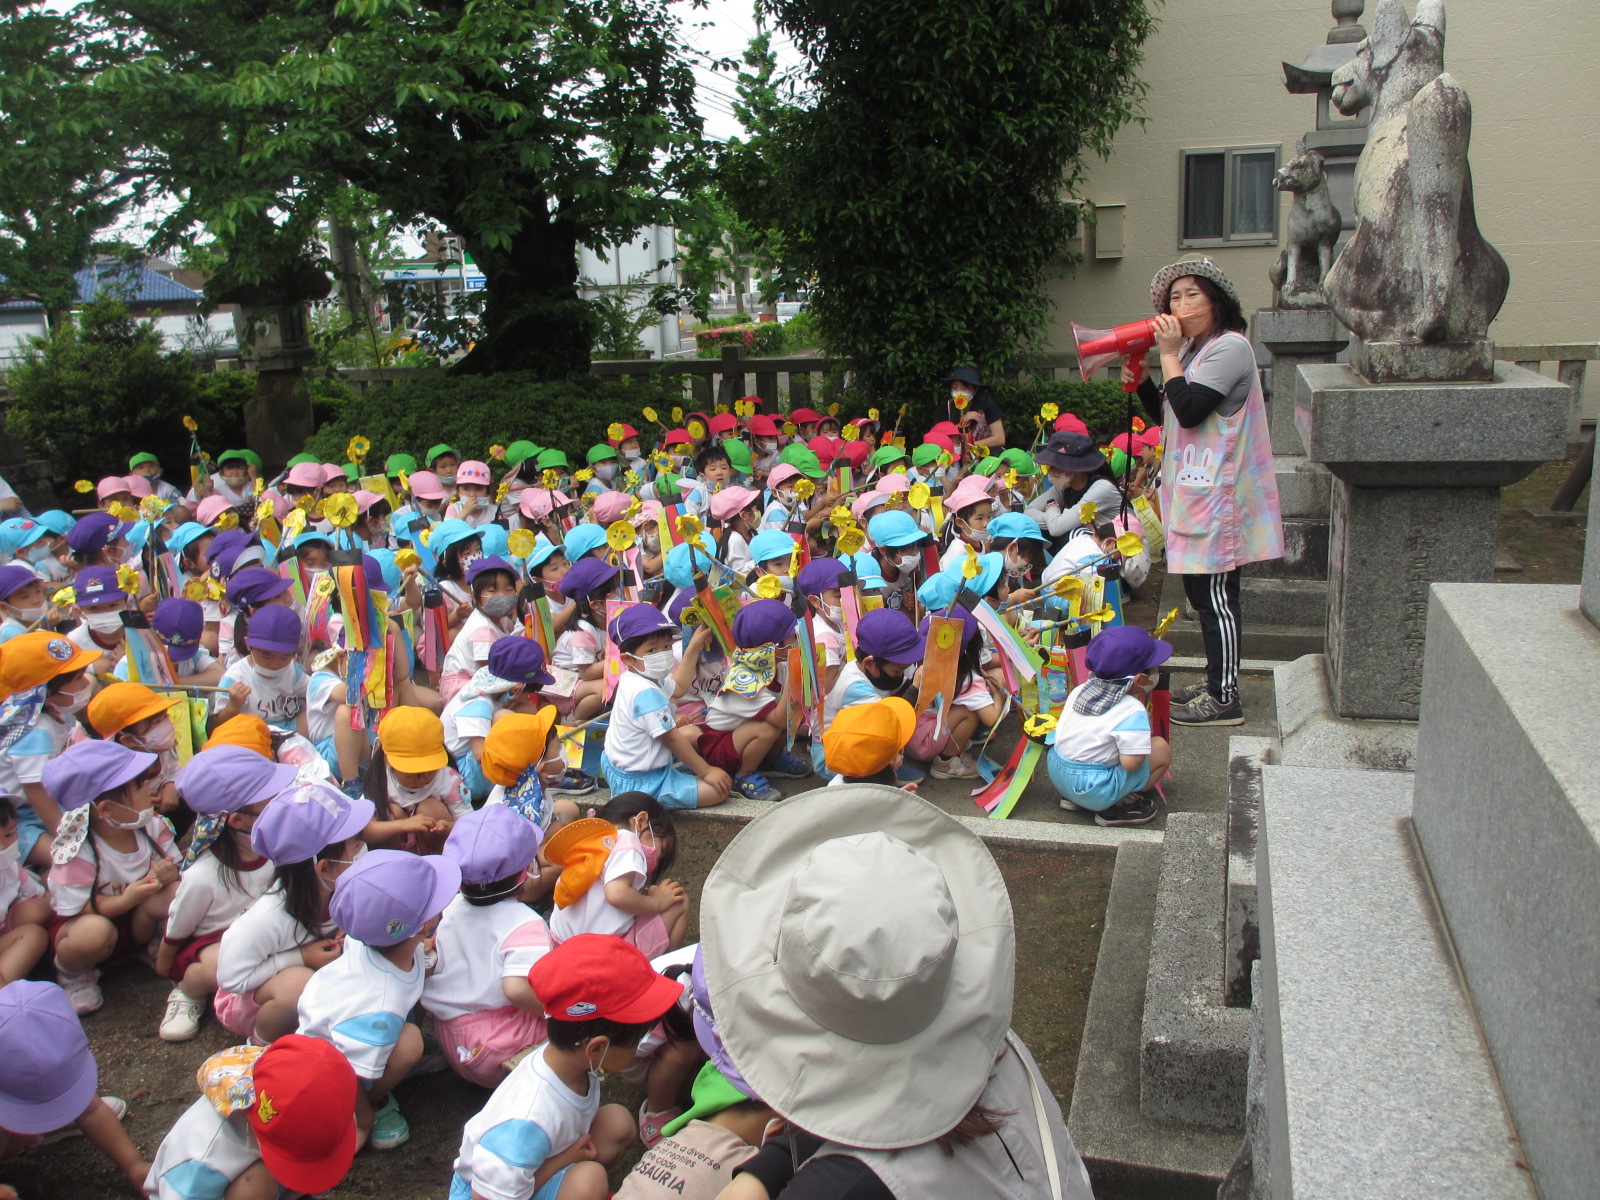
1016 525
583 539
818 575
683 562
225 779
587 575
276 629
894 528
97 585
763 621
493 843
637 621
969 625
489 563
989 568
494 539
887 633
179 623
184 535
771 543
19 532
519 660
57 521
255 585
1123 651
543 551
449 532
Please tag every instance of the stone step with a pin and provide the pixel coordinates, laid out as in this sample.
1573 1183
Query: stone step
1129 1155
1242 930
1376 1080
1194 1049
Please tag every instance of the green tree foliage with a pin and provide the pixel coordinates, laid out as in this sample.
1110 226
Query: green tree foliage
926 186
102 388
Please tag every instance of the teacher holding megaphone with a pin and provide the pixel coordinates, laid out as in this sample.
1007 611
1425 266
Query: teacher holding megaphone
1219 494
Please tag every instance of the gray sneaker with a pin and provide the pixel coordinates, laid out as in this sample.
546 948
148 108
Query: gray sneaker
1206 709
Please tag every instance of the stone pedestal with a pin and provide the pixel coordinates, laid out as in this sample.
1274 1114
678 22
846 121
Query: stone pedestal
1417 471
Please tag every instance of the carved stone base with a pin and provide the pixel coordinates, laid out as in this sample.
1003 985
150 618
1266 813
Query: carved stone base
1414 362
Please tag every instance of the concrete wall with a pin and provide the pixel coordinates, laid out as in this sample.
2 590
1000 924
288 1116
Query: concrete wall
1215 80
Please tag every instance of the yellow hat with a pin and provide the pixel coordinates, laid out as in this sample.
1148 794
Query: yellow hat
515 742
864 738
413 739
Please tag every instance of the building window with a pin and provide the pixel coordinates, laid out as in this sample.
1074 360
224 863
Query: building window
1228 198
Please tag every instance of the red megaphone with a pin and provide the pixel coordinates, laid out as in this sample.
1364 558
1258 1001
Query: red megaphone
1098 347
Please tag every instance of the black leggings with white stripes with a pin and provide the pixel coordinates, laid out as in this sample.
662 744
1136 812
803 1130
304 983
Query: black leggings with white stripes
1215 600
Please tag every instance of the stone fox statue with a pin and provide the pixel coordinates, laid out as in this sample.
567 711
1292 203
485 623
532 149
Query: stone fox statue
1416 270
1313 230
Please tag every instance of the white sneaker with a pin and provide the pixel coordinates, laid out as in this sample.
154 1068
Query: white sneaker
83 989
182 1020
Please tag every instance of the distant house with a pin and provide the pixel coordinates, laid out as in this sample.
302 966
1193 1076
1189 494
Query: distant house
151 295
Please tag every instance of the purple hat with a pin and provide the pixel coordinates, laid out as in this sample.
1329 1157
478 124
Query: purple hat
521 660
50 1075
493 843
389 895
763 621
82 773
1125 650
818 575
585 575
637 621
251 586
277 629
705 1027
14 577
887 633
95 531
97 585
969 625
492 562
299 823
225 779
180 623
224 553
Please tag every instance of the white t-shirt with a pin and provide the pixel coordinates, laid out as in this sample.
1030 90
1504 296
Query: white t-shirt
1125 729
206 902
592 912
202 1154
478 946
359 1002
641 715
531 1117
260 943
278 702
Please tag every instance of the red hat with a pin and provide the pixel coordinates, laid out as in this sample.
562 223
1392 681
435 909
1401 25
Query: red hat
677 437
598 975
1067 423
304 1113
763 426
805 416
724 424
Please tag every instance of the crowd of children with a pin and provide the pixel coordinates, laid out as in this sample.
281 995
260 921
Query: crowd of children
325 746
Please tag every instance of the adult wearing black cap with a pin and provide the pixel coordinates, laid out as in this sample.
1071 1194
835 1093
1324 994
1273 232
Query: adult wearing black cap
1077 472
971 405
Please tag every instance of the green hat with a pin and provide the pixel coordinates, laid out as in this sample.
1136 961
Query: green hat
352 472
293 462
738 454
1018 460
138 460
598 453
884 455
551 458
987 466
799 456
241 456
927 453
520 452
710 1095
438 451
399 462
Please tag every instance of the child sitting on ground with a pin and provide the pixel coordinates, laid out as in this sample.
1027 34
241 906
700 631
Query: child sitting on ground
866 742
484 1011
544 1131
410 781
24 906
114 863
608 863
1104 758
387 903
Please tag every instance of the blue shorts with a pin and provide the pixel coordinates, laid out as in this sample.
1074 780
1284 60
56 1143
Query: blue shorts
29 830
473 779
460 1189
671 785
1096 786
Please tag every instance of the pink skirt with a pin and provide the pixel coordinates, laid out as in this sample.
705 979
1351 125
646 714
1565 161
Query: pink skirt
235 1013
477 1044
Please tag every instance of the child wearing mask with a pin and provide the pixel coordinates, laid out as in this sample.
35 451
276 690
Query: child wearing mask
494 587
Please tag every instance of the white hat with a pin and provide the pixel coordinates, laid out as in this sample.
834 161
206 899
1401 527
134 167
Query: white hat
859 956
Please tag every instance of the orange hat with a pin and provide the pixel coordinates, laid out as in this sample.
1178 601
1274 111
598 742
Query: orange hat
244 730
34 658
864 738
413 739
119 705
515 742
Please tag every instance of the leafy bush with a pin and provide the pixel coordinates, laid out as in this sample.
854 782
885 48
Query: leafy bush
474 412
102 387
763 340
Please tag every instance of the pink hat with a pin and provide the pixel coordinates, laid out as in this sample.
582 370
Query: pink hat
894 483
854 454
332 471
473 471
426 486
538 503
209 509
971 490
366 499
608 506
307 475
110 486
866 502
1068 423
782 473
731 501
139 486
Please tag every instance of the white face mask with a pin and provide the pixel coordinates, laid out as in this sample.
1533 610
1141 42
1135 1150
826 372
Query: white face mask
104 622
658 665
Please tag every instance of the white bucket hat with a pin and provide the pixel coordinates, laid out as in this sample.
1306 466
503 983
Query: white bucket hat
859 954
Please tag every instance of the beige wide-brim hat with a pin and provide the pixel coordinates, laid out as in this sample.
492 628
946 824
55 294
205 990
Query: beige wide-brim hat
859 951
1161 285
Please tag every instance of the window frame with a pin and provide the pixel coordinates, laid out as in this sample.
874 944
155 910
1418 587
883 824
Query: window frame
1228 155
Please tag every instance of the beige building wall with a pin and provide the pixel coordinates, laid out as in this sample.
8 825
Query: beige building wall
1215 81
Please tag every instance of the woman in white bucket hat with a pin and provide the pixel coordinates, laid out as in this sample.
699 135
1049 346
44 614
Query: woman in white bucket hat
857 961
